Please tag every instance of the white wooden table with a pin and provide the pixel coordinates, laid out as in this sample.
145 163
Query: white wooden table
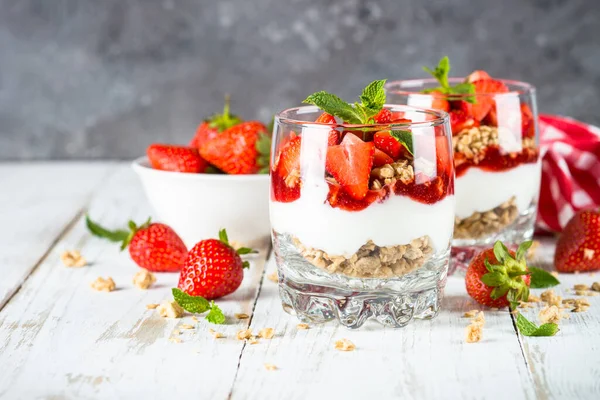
59 339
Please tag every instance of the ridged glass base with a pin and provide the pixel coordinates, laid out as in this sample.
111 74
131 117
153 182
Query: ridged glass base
316 296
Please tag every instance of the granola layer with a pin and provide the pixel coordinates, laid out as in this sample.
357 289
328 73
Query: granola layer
480 224
372 261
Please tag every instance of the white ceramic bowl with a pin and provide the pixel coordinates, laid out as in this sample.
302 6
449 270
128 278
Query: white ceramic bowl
196 206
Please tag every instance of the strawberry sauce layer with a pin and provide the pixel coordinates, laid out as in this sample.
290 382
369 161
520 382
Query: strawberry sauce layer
495 160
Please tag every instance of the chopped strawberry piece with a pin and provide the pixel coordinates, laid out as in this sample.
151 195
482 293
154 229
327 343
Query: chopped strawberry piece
485 102
527 121
383 117
398 115
442 150
439 101
334 135
338 198
380 158
459 121
288 162
478 75
326 118
388 144
492 118
350 164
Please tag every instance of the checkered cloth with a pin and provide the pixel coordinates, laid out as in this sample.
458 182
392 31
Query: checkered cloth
570 153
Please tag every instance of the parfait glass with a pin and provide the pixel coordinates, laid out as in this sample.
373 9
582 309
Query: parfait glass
497 162
358 232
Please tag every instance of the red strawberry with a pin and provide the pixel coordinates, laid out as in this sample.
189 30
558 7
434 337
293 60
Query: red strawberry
484 101
495 277
459 121
383 117
385 142
527 121
439 101
338 198
287 165
350 164
155 247
213 268
443 155
578 246
380 158
241 149
478 75
168 157
334 135
211 127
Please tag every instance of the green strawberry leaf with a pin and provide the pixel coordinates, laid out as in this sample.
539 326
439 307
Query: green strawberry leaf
193 304
225 120
522 250
223 236
211 169
333 105
373 97
528 328
541 279
501 252
494 279
263 147
215 316
245 250
499 292
404 137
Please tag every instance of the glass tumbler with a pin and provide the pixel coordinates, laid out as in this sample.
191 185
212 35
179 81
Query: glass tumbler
362 215
497 161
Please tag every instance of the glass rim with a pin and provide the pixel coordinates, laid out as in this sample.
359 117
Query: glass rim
440 117
404 86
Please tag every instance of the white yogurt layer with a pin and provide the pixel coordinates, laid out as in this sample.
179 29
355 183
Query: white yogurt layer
398 220
480 190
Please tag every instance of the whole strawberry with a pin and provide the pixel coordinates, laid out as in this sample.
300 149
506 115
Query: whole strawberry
214 125
242 149
174 158
578 247
155 247
498 278
213 268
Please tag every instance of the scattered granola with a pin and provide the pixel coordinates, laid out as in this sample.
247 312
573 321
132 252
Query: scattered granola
551 314
143 279
551 298
344 345
266 333
581 286
555 273
479 319
103 285
152 306
470 314
474 333
176 332
241 316
175 339
596 286
215 334
72 258
170 309
194 318
186 326
273 277
244 334
581 305
270 367
533 299
302 326
253 340
524 304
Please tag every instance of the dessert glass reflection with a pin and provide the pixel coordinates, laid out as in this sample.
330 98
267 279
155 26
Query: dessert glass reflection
359 232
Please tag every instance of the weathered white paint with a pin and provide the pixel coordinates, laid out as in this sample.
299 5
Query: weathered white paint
60 339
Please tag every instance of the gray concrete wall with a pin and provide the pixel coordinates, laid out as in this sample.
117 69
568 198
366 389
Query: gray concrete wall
104 78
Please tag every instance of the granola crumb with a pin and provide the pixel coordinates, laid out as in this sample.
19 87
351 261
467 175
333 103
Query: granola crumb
479 319
474 333
588 254
253 340
524 304
494 308
270 367
143 279
72 258
241 316
174 340
470 314
186 326
555 273
302 326
170 309
194 318
551 314
235 244
244 334
273 277
550 298
344 345
581 292
581 305
266 333
215 334
535 245
152 306
176 332
103 285
533 299
581 286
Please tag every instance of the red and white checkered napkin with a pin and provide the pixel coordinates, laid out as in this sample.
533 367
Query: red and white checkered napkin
570 153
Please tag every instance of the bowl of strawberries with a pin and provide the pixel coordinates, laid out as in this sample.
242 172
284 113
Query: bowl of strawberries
220 179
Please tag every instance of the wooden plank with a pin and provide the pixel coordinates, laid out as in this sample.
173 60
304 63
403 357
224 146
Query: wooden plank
566 366
61 339
426 359
37 202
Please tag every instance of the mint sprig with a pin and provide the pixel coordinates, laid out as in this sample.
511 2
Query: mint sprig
528 328
441 72
199 305
119 235
372 101
541 279
405 138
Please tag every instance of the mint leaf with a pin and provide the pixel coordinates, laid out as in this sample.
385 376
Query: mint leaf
373 97
215 316
528 328
404 137
97 230
464 88
193 304
542 279
333 105
441 71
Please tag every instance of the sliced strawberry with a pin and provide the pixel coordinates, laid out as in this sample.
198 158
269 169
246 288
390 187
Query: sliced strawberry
338 198
439 101
326 118
442 150
288 163
459 121
334 136
492 118
527 121
484 102
478 75
380 158
388 144
383 117
350 164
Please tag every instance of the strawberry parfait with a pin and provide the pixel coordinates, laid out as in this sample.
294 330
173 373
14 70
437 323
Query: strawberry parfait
496 153
362 209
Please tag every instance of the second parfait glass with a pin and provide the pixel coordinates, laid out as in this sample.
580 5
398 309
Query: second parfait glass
497 161
358 232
